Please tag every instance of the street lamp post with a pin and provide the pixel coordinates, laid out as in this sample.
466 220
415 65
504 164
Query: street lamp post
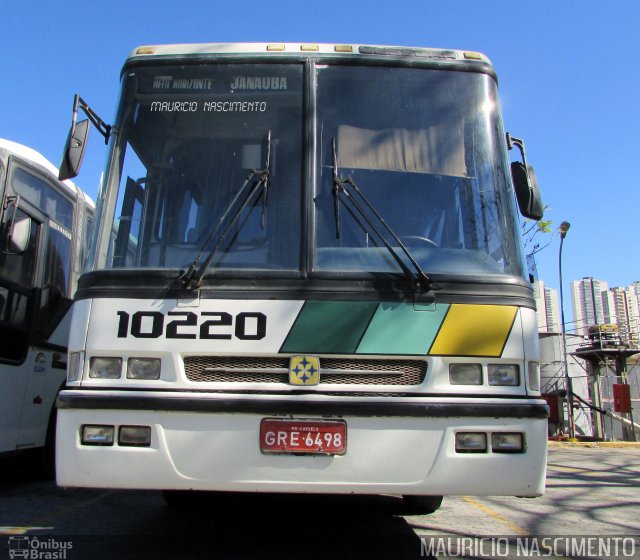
564 228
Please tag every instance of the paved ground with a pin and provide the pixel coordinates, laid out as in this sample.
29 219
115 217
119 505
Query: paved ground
590 492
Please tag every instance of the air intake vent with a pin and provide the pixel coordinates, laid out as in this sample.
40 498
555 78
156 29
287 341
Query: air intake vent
275 369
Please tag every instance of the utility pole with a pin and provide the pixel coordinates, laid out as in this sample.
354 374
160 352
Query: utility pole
564 228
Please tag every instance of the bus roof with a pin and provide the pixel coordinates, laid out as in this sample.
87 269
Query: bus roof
36 158
309 49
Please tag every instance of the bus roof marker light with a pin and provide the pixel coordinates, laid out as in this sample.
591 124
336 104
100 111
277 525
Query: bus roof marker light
343 48
472 55
275 47
309 48
145 50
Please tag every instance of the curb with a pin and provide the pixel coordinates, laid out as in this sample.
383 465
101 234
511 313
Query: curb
609 444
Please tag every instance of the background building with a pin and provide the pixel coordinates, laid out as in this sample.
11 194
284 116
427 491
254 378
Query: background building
596 362
547 308
633 299
591 304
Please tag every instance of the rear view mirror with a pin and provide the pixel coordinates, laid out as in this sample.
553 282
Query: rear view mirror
18 234
19 237
77 139
74 150
525 184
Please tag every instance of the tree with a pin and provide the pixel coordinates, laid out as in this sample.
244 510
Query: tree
530 230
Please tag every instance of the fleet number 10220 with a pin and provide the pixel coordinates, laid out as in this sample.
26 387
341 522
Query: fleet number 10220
217 325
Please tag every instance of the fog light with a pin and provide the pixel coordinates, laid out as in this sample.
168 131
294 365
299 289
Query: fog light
534 376
97 435
507 443
504 374
465 374
471 442
134 436
143 368
105 368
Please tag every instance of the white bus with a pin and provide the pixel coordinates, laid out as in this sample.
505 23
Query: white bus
307 277
44 223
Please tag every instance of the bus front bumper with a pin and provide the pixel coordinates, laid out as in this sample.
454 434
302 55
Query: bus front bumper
211 442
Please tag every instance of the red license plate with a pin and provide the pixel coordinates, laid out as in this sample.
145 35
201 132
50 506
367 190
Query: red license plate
325 437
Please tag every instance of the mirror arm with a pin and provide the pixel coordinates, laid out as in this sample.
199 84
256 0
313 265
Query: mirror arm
10 222
12 200
519 143
103 128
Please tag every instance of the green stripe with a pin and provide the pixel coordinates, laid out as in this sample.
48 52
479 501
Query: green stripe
329 327
397 328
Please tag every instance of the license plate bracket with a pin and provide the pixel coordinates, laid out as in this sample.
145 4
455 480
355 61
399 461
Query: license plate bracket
303 436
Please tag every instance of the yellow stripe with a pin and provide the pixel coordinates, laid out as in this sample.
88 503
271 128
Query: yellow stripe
498 517
474 330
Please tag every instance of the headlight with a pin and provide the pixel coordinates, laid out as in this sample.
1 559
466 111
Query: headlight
134 436
465 374
504 374
534 376
471 442
143 368
97 435
105 368
507 443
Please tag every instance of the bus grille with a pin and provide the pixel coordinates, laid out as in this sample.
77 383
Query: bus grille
275 369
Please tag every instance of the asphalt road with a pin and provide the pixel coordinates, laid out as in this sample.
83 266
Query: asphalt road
590 492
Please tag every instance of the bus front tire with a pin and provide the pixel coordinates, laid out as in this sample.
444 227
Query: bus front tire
422 504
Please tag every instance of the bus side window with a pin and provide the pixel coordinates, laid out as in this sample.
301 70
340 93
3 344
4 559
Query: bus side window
55 289
55 286
128 240
84 251
17 277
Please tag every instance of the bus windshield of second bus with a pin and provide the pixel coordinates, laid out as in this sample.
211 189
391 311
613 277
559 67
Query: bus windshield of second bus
432 166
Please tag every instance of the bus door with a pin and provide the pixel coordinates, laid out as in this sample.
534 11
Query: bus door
18 280
43 291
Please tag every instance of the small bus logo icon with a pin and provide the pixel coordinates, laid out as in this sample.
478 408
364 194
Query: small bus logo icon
19 547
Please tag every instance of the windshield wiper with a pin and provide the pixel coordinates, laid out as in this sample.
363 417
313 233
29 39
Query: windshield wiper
193 276
419 280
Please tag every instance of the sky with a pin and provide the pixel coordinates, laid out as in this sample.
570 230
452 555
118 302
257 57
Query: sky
569 79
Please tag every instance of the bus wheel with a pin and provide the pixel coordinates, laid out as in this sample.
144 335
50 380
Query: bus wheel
422 504
46 466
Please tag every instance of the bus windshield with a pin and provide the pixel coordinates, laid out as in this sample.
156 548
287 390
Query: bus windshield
425 146
191 136
426 149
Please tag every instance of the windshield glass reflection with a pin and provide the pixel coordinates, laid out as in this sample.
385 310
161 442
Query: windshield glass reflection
426 149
